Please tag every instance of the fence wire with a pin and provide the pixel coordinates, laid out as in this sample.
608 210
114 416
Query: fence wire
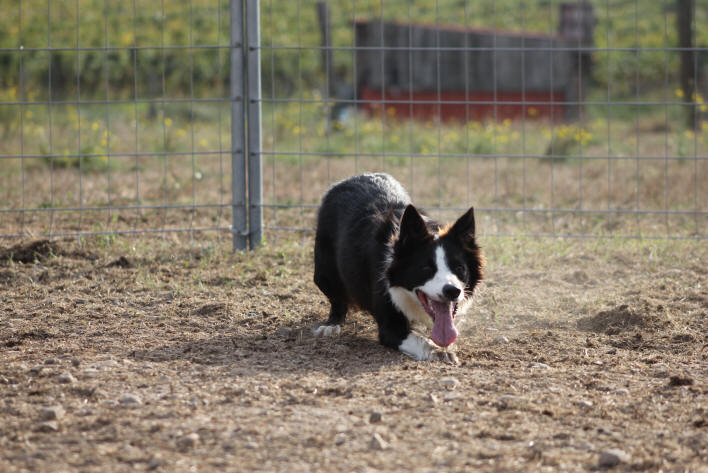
116 118
445 96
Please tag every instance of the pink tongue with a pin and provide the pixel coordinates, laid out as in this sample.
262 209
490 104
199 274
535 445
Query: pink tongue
444 331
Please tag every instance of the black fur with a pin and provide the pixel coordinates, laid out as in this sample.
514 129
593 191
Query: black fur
369 238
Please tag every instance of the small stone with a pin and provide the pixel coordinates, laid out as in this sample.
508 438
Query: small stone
188 441
612 457
452 397
66 378
340 438
583 445
450 383
52 413
89 373
130 454
433 398
75 362
514 402
107 364
585 404
130 399
36 369
50 361
679 380
375 417
605 430
541 366
282 332
537 447
49 426
378 443
621 391
501 339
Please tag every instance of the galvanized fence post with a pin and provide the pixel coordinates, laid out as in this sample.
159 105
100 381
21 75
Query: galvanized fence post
239 228
253 68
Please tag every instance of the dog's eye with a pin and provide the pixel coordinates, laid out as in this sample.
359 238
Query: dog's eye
429 266
460 269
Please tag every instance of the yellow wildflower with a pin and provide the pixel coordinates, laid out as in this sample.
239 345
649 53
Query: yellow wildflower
126 38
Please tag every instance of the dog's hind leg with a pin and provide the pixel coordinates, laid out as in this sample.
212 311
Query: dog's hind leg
327 279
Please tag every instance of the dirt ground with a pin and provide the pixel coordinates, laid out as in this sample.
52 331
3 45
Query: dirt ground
161 357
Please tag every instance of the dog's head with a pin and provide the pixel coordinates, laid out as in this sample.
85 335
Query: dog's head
433 274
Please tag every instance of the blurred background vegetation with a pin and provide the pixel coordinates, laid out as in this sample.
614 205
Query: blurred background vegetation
137 138
138 30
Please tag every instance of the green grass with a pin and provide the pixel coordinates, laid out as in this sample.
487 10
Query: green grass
290 23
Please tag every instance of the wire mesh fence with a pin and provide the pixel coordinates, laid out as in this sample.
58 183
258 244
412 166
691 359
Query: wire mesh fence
115 118
551 118
572 119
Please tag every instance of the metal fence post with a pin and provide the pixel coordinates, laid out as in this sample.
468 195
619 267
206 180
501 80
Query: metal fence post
253 68
239 228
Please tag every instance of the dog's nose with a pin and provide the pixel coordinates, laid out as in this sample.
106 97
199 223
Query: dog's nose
451 292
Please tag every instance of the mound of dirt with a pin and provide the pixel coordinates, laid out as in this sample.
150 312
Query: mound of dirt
29 252
579 277
121 262
624 318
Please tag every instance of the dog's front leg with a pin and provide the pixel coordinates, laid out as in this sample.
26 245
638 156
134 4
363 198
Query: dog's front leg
421 348
395 332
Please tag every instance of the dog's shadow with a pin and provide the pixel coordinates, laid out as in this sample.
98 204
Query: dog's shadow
284 350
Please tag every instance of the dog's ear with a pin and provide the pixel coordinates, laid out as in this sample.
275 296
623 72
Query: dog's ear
412 229
464 229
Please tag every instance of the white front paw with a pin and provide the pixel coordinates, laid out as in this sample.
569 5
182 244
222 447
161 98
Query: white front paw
327 331
421 348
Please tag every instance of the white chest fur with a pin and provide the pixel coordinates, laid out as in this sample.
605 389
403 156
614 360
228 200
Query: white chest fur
407 302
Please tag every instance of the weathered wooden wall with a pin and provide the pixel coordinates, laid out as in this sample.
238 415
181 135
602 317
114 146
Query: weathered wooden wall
516 67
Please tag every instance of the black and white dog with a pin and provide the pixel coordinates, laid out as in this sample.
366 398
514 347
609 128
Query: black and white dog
375 251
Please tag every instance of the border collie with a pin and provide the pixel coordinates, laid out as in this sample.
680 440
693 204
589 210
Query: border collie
375 251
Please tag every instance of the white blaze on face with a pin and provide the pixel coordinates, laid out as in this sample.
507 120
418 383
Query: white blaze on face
427 305
433 288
